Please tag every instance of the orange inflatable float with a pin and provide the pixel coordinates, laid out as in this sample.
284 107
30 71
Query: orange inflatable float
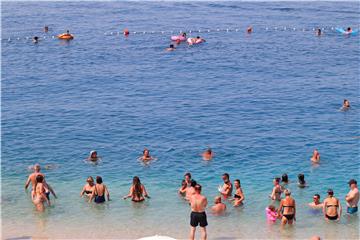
65 36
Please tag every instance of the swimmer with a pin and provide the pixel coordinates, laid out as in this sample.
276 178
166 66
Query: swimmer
170 48
249 29
190 190
271 214
146 155
137 191
332 208
192 41
35 39
287 209
198 204
277 190
219 207
32 179
345 106
318 32
348 30
239 195
99 192
88 188
126 32
316 203
183 188
284 179
46 29
302 182
352 198
316 156
39 194
226 189
183 34
208 154
93 157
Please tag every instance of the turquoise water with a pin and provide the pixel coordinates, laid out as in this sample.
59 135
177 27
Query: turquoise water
263 102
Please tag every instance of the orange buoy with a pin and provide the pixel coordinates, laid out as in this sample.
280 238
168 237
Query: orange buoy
126 32
65 36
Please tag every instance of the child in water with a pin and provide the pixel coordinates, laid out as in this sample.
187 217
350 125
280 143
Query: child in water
271 214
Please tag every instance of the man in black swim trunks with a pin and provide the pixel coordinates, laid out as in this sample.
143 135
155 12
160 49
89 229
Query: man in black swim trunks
198 204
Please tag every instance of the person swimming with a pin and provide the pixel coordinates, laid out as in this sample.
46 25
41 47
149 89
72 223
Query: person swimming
93 156
249 29
239 195
316 156
35 39
345 106
46 29
316 203
208 154
302 182
197 40
271 214
352 198
146 155
137 191
348 30
284 179
318 32
277 190
332 208
218 207
170 48
88 188
99 192
287 208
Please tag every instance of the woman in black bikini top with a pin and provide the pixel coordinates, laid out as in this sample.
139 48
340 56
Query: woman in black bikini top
287 208
88 187
332 207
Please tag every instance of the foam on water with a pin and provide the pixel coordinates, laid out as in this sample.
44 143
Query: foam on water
263 102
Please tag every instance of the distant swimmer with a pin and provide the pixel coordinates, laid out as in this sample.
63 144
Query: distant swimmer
170 48
32 180
89 187
137 191
345 106
318 32
332 208
284 179
146 155
198 204
316 156
287 209
126 32
35 39
66 36
208 154
227 187
277 190
249 29
197 40
271 214
302 182
39 194
316 203
348 30
352 198
190 190
46 29
93 156
100 190
218 207
239 195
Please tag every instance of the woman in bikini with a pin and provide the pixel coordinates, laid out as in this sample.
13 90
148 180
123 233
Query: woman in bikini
276 192
239 195
38 194
332 208
287 209
88 188
137 191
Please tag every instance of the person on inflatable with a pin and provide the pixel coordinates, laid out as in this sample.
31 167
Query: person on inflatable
197 40
348 30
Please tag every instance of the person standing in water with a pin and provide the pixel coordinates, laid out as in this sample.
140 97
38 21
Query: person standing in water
226 189
287 208
207 155
38 194
316 203
99 192
88 189
137 191
198 204
239 195
32 179
190 191
332 208
352 198
277 190
316 156
219 207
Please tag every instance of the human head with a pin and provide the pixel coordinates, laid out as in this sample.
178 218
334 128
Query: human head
284 178
276 180
352 183
316 198
237 183
198 188
225 177
37 167
90 179
330 192
183 183
39 178
193 183
184 34
146 152
187 176
171 45
349 28
271 207
36 38
136 180
93 154
209 151
301 178
217 199
67 31
198 37
287 192
99 180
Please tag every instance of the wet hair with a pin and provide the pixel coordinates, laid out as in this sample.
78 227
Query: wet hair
284 178
171 45
198 188
209 150
330 192
184 34
193 183
277 179
352 181
226 175
198 37
90 178
183 182
39 178
99 180
238 180
317 195
36 38
301 178
349 28
187 174
137 186
145 149
67 31
271 207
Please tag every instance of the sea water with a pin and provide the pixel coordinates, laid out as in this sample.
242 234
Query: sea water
261 101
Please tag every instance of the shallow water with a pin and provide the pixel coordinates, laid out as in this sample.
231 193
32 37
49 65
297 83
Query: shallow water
263 102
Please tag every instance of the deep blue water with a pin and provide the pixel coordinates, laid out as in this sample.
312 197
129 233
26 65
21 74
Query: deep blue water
263 102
